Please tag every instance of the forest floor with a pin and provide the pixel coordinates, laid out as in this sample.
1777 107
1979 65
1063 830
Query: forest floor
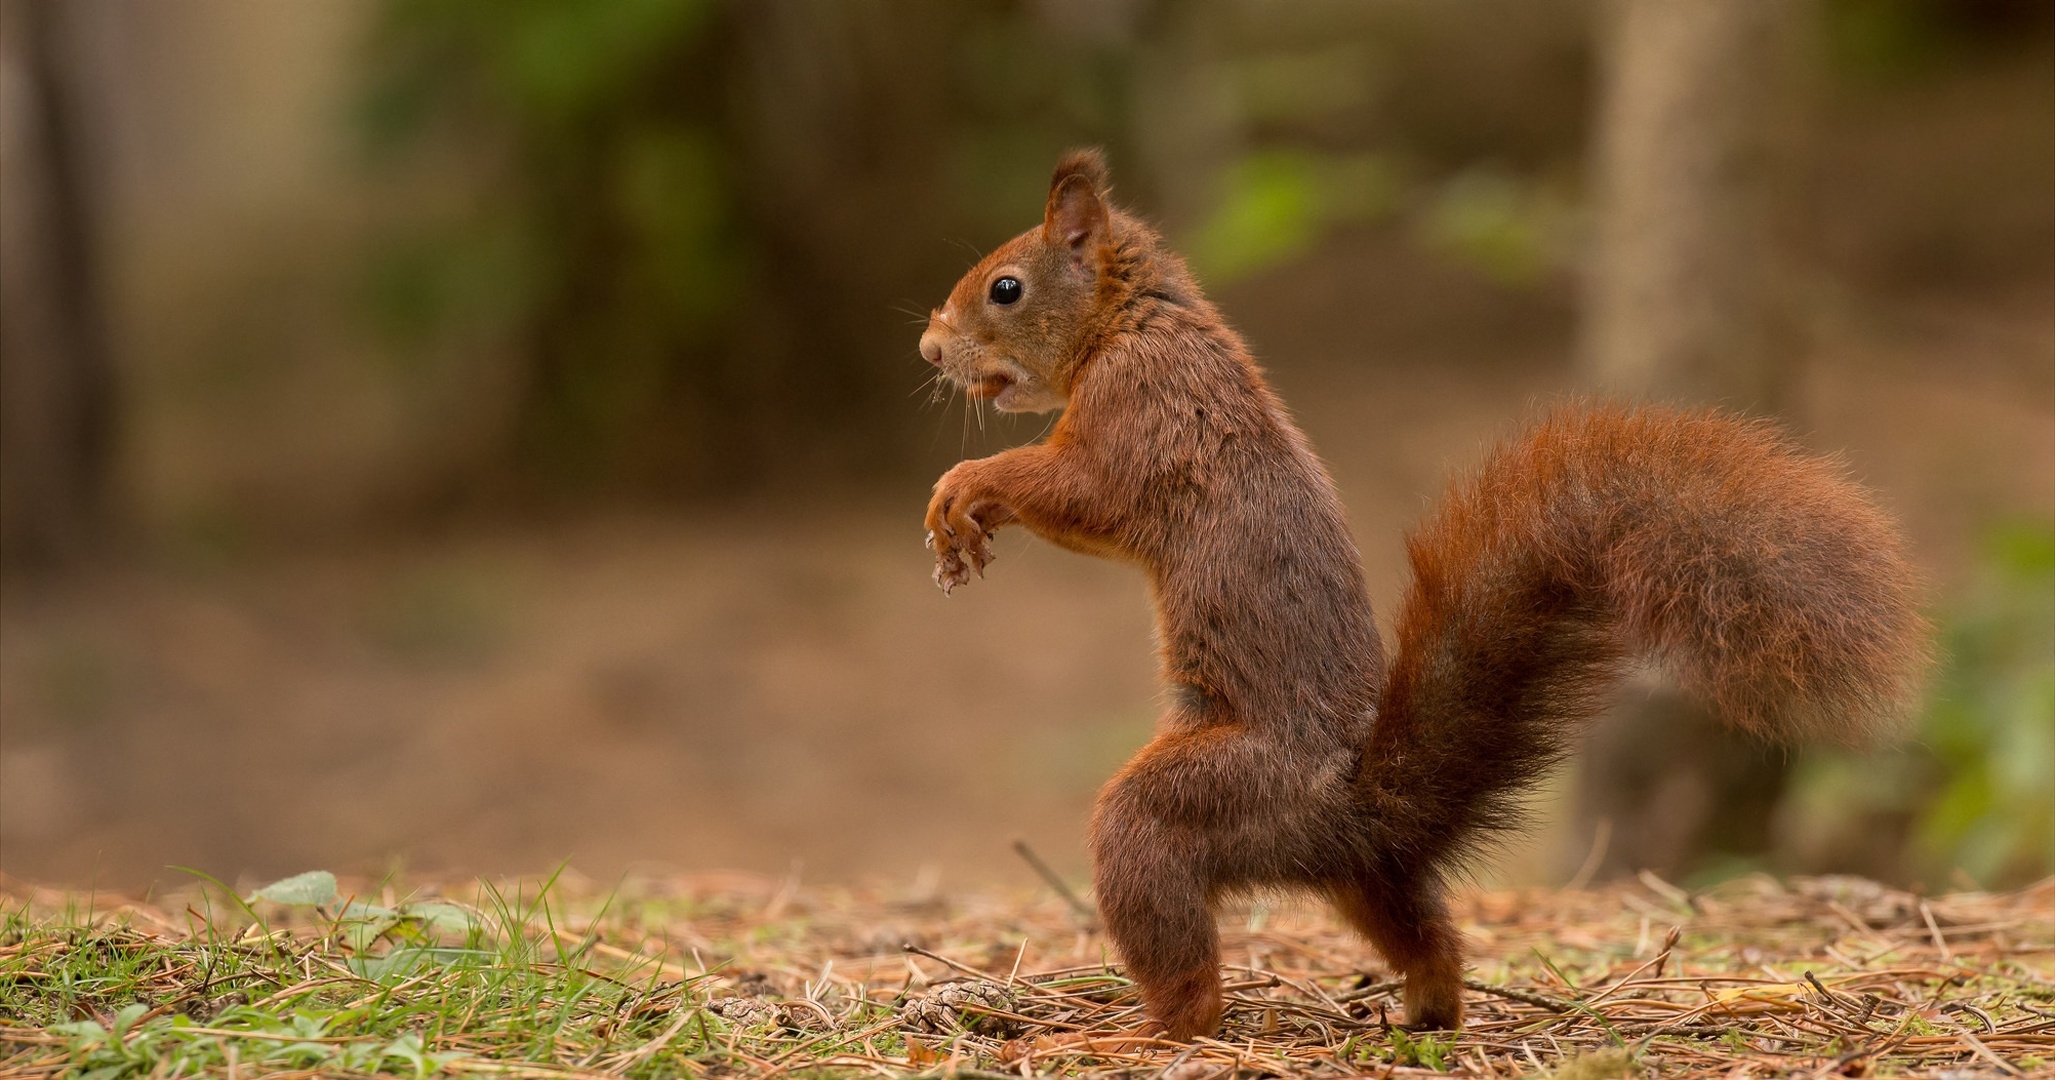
732 975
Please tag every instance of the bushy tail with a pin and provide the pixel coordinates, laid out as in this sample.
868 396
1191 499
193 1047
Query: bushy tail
1757 573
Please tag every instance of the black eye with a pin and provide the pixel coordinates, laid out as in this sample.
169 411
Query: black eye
1006 290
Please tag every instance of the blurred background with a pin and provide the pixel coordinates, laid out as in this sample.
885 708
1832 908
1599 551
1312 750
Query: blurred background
464 435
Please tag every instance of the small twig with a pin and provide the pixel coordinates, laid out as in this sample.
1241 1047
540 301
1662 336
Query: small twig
1371 990
1077 904
1934 928
1836 1005
1666 890
1662 960
939 958
1655 962
1984 1052
1180 1059
1019 1018
650 1048
1601 838
1539 1000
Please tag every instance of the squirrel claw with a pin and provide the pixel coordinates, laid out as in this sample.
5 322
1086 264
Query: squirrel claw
950 572
960 524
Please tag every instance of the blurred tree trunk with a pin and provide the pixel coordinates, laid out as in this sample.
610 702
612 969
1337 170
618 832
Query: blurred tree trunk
1688 300
55 379
1696 138
826 170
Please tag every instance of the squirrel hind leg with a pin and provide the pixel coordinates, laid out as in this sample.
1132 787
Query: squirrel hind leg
1160 918
1409 924
1202 812
1157 908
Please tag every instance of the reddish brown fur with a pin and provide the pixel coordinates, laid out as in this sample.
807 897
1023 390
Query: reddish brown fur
1290 755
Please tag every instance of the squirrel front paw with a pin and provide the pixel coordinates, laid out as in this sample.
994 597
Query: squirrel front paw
961 546
953 565
959 533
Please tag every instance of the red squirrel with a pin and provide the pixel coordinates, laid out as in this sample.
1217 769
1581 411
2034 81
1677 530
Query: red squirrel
1293 752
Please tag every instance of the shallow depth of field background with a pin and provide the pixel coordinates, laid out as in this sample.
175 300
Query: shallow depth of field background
495 434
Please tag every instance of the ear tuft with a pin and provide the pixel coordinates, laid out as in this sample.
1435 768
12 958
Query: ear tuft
1076 217
1086 161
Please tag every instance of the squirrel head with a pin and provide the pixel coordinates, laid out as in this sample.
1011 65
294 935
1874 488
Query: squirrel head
1017 325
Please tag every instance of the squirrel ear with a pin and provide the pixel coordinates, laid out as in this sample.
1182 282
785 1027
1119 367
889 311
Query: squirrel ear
1076 216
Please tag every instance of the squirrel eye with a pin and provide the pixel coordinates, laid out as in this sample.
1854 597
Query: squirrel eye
1006 290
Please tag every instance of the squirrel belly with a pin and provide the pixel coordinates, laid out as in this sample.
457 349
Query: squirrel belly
1293 753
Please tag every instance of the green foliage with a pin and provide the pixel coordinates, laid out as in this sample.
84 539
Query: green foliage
604 251
298 1041
1893 42
693 225
552 64
1424 1051
499 979
1275 204
1607 1064
1991 727
1507 228
1975 789
315 888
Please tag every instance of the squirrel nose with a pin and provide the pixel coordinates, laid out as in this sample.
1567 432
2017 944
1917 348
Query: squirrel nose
931 348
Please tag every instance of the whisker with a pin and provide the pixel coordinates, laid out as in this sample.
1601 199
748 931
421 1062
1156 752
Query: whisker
975 254
931 384
941 390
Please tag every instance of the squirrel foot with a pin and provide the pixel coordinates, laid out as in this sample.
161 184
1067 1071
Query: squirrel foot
1434 1002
